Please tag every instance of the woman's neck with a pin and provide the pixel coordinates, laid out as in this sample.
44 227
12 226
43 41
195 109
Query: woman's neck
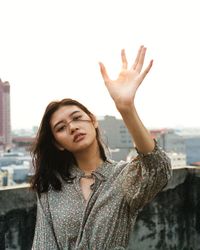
89 159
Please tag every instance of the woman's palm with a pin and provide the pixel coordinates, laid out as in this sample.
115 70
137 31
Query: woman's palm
124 88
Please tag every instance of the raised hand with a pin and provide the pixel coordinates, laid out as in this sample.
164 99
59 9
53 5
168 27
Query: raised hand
123 89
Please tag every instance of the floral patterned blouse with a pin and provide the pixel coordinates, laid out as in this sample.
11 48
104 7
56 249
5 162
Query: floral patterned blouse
121 189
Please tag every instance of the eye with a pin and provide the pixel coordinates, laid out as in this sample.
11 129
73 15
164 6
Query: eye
60 128
75 118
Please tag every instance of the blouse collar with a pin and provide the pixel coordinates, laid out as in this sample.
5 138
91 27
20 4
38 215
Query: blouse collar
100 172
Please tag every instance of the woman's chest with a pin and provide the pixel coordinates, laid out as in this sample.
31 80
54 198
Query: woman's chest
71 210
67 209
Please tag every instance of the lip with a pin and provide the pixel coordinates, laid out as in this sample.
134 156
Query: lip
78 137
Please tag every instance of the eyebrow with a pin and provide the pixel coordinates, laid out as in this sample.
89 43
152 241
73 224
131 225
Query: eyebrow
74 112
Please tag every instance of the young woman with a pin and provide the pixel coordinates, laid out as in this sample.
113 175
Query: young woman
86 201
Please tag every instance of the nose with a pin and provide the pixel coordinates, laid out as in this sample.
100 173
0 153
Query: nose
72 126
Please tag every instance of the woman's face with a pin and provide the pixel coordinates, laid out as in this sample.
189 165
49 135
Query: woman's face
73 129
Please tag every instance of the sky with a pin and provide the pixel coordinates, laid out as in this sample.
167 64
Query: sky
49 50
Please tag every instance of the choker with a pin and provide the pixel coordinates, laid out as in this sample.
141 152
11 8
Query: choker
87 176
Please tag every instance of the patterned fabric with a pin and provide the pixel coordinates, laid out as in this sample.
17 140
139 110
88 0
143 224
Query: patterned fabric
121 189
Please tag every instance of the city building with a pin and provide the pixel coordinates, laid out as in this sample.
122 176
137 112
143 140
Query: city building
169 140
8 175
193 149
15 168
15 174
3 178
172 143
178 160
5 123
22 143
116 137
197 164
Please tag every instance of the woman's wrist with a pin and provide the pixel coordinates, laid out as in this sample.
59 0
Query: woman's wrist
126 108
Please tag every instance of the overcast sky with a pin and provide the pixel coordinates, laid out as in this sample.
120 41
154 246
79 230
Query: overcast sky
50 50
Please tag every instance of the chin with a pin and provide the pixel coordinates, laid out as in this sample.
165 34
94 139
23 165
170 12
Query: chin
83 146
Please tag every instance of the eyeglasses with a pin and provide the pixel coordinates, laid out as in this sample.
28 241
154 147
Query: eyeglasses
75 120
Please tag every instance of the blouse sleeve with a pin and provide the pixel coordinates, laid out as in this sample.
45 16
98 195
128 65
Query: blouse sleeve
145 176
44 237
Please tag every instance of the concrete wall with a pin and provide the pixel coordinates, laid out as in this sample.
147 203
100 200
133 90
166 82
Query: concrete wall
17 218
170 222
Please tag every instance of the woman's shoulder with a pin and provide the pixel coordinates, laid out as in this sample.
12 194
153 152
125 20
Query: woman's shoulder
118 165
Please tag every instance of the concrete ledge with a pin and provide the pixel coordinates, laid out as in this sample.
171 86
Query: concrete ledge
170 221
16 198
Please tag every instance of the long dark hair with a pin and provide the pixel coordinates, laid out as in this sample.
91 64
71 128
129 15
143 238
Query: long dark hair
49 162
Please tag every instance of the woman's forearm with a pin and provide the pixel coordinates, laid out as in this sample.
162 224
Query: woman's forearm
140 135
123 91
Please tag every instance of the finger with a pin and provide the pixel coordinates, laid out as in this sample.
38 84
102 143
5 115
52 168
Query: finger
146 71
104 73
141 60
137 58
124 60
